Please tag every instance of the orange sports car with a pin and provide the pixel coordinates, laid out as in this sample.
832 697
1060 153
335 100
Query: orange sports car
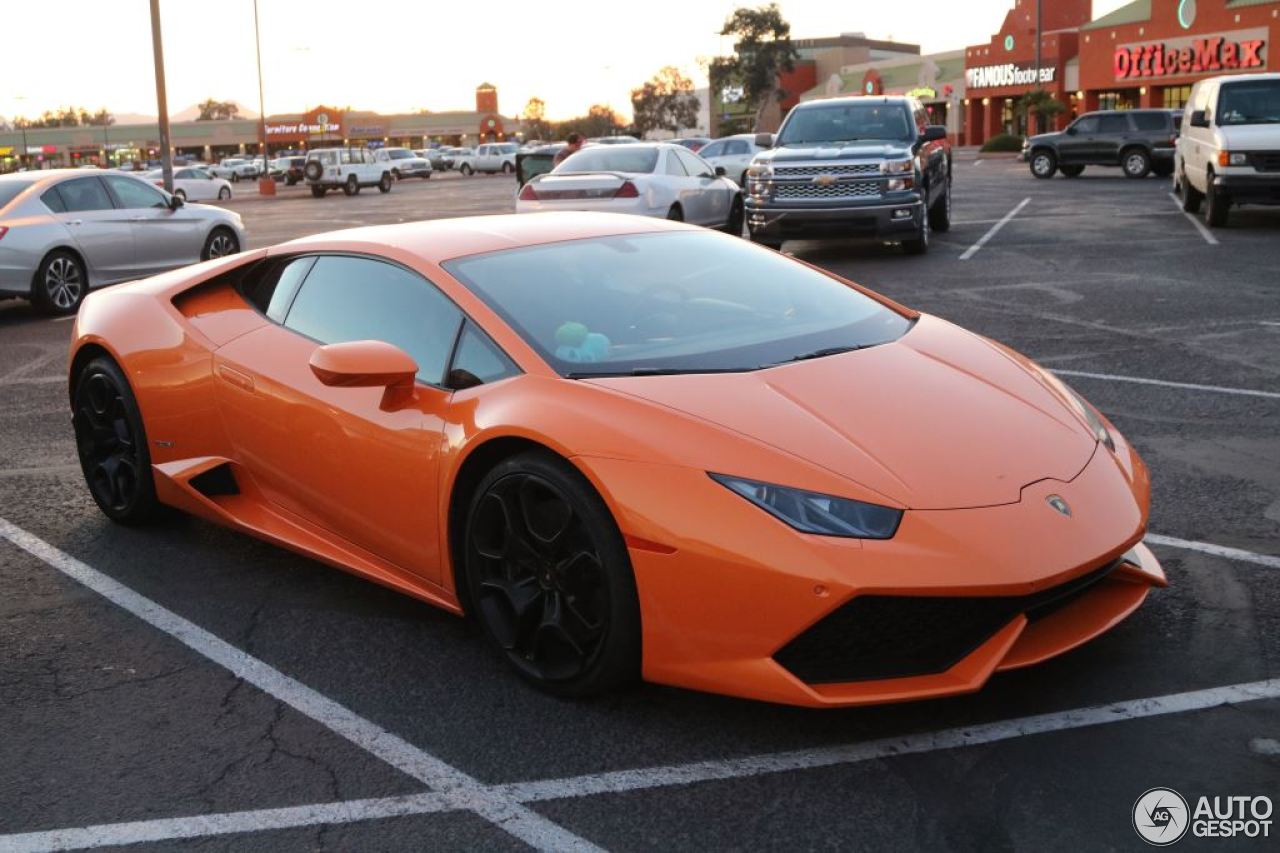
629 448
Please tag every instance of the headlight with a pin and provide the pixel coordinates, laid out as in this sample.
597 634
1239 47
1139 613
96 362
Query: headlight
1096 425
892 167
1233 158
811 512
898 184
763 172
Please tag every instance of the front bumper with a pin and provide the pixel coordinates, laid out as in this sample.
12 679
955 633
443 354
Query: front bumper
720 613
884 219
415 172
1250 188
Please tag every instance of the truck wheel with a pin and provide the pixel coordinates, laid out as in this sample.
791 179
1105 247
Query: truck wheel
1191 197
1136 163
918 244
940 213
1217 203
466 169
1071 171
507 168
352 186
317 192
1043 163
384 185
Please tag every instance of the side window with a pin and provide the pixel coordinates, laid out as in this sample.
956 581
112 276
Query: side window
53 201
715 149
82 195
735 146
674 167
1087 125
355 299
272 286
1114 123
133 194
478 361
692 163
345 156
1151 121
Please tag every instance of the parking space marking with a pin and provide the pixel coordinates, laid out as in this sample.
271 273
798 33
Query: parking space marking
203 826
1164 383
994 230
647 778
1239 554
1204 232
463 790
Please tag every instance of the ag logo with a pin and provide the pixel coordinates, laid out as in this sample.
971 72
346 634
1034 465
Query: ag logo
1160 816
824 180
1186 13
322 119
1057 502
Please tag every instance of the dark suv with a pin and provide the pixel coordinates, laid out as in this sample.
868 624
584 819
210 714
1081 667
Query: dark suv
850 167
1138 141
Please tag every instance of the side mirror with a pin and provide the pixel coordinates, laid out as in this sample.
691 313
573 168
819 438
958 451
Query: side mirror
1199 118
764 140
935 133
720 172
175 202
364 364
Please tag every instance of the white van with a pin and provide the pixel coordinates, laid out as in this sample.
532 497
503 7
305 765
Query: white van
1229 150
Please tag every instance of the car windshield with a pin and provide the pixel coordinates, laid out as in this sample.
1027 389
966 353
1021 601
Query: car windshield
846 123
233 162
399 154
611 159
676 302
10 188
1250 102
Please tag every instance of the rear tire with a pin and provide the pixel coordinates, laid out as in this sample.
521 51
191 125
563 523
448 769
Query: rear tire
352 186
549 578
466 169
1071 171
675 214
220 243
60 285
111 442
507 168
224 193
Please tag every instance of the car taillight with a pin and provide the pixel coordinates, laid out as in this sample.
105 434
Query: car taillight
3 231
627 190
158 183
528 193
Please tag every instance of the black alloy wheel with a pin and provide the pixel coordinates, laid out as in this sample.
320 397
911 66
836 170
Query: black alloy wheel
919 244
549 579
737 217
112 444
675 214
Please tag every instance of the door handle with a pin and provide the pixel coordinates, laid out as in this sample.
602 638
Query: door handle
137 219
235 377
76 222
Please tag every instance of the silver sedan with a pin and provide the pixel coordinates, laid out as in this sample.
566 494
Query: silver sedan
63 231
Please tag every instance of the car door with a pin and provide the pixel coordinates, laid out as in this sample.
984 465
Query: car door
1114 132
163 237
1075 143
737 156
337 457
709 203
102 233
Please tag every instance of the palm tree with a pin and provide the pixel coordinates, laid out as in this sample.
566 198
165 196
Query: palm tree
1043 104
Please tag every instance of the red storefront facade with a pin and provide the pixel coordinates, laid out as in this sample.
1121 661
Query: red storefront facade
1148 54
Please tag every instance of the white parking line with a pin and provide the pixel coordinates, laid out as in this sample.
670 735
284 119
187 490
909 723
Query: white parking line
1188 386
995 229
463 790
1204 232
594 784
1216 550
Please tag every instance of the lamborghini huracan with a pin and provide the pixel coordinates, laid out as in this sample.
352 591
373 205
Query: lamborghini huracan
629 448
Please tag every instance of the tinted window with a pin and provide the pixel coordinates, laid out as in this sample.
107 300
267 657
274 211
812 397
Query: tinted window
50 198
135 194
1087 125
735 146
673 301
1151 121
715 149
355 299
10 188
1113 124
478 360
84 194
1252 102
845 123
618 159
285 287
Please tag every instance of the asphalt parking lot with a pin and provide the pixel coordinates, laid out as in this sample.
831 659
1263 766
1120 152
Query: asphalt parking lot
183 687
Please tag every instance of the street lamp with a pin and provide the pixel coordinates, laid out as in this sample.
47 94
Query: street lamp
22 155
266 186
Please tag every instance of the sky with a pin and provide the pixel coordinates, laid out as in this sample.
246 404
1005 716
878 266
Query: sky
405 55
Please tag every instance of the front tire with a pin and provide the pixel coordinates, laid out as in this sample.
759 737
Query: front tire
224 193
466 169
940 213
1135 163
61 284
1217 204
220 243
549 579
919 244
1191 197
1043 164
112 444
737 217
507 168
182 194
384 184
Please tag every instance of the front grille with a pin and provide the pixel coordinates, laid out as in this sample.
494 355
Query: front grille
840 189
898 636
837 169
1266 161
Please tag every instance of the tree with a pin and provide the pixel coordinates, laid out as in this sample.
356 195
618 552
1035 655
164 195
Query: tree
534 119
665 102
1043 104
212 110
761 51
67 117
600 120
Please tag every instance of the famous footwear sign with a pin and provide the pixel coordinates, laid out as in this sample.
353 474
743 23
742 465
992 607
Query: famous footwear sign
1009 74
1242 50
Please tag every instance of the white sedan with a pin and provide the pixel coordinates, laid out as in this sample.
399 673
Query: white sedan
645 179
734 153
193 184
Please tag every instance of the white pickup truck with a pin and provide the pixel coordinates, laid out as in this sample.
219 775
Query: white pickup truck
490 157
234 169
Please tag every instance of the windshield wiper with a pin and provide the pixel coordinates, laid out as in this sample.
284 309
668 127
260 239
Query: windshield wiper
818 353
653 371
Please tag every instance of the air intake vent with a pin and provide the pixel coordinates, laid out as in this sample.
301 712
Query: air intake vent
216 481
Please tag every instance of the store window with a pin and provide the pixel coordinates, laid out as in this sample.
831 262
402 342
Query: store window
1176 97
1125 99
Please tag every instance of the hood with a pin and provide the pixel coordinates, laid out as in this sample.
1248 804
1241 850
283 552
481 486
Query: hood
1250 137
869 150
940 419
1044 138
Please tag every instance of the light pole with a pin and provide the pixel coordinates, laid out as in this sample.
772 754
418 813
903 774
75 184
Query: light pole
266 186
22 155
162 101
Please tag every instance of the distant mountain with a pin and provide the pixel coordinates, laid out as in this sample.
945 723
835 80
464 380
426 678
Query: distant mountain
133 118
192 113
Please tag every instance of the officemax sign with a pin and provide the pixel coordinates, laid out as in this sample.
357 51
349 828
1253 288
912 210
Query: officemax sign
1242 50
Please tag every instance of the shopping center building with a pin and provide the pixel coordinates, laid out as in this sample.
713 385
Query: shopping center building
211 141
1145 54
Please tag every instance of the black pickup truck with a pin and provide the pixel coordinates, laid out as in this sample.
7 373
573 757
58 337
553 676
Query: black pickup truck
852 167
